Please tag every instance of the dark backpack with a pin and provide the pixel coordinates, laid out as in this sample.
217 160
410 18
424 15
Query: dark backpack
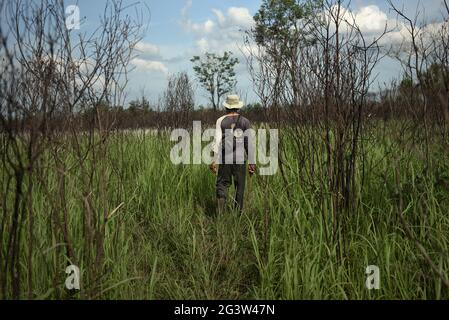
234 127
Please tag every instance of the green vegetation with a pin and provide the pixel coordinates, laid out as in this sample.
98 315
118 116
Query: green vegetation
216 74
166 241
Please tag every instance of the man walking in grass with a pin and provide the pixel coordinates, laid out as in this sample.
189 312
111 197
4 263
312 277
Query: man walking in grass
233 146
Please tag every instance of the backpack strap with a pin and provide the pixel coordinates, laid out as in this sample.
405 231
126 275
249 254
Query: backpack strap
235 123
233 137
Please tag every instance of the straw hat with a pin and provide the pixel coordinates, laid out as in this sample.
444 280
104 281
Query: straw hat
233 102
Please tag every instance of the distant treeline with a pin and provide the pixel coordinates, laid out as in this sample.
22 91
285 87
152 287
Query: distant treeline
390 106
387 105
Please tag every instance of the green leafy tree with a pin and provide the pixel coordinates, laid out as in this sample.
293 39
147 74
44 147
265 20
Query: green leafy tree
279 24
282 28
141 104
433 79
216 74
406 86
436 75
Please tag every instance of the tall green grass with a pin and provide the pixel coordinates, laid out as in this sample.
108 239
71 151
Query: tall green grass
167 242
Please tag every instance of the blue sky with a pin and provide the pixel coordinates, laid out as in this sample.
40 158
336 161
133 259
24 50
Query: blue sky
179 29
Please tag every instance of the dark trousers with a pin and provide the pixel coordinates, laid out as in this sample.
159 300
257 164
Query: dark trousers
227 173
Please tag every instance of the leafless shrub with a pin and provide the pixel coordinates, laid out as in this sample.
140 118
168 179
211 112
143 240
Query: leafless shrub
424 91
50 78
319 74
178 99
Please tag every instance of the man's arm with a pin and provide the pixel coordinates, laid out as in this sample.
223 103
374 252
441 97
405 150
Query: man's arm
216 145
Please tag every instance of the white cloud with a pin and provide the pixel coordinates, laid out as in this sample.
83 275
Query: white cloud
240 17
148 50
186 8
203 45
222 32
149 65
400 32
190 26
371 19
372 22
220 16
199 28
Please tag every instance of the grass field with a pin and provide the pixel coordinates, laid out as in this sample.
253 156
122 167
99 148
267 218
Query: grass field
165 240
